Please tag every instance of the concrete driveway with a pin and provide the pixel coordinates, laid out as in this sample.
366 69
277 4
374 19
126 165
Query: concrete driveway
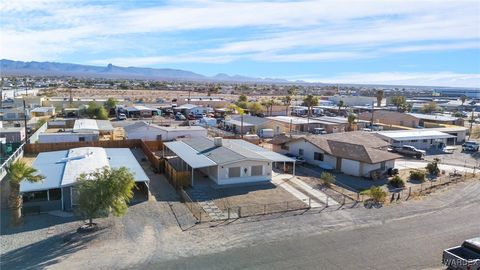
402 164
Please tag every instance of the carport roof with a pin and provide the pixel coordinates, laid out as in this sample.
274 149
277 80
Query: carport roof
191 156
270 155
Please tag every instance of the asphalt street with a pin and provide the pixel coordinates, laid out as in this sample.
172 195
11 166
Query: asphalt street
413 241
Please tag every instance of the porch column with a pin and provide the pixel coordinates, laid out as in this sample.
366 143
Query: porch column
294 168
192 178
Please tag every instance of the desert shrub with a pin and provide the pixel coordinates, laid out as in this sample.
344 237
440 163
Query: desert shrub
328 178
432 167
378 194
417 175
397 182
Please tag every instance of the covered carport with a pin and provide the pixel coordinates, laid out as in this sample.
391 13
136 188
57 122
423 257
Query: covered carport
274 157
184 158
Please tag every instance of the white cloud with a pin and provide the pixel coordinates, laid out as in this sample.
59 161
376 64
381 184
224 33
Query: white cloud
296 31
400 78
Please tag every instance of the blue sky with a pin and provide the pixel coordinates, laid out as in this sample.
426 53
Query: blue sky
343 41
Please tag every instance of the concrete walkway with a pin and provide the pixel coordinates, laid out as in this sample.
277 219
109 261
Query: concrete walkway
322 197
281 181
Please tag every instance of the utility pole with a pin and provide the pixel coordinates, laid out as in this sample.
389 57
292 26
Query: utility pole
241 126
25 120
373 109
472 119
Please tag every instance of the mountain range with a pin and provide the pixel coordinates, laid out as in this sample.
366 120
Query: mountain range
12 68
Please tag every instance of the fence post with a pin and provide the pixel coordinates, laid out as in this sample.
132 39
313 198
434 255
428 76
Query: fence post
358 197
264 209
409 191
287 206
240 212
200 216
343 203
309 202
327 202
228 211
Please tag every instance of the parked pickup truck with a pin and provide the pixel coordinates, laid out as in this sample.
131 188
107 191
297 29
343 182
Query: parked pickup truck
409 150
466 256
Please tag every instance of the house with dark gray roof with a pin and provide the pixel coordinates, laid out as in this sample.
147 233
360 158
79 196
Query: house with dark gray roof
223 161
354 153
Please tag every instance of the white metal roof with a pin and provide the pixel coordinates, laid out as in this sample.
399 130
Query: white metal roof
421 134
85 125
191 156
60 168
272 156
293 120
433 117
82 160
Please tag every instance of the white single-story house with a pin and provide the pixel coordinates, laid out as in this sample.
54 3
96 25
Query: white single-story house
419 138
223 161
251 124
186 109
62 168
354 153
151 132
84 130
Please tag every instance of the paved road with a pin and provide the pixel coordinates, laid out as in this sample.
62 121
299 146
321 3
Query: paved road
406 241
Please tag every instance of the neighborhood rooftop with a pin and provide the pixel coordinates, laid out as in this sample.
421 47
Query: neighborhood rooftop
61 168
421 134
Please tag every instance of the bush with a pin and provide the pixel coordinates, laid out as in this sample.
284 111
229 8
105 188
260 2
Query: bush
328 178
432 167
378 194
397 182
417 175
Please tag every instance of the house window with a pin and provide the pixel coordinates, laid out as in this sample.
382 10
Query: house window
55 194
257 170
414 141
300 152
318 156
425 141
382 165
233 172
285 147
35 196
81 139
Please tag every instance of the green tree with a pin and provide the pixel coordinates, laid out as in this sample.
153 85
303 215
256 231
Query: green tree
255 107
327 178
310 101
432 167
111 103
105 190
379 95
429 107
18 172
242 98
351 121
101 114
399 102
340 104
234 109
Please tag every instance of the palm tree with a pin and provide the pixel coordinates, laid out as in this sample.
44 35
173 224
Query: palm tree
310 101
351 120
18 172
287 100
463 99
340 105
379 96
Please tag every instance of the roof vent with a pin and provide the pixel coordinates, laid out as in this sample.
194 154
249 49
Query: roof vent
218 141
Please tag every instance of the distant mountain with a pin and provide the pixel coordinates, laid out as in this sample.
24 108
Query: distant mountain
9 67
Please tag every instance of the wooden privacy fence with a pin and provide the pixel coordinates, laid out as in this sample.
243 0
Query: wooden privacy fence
148 148
176 178
35 148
